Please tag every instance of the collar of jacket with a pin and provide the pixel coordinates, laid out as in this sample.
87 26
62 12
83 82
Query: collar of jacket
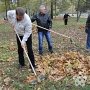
42 14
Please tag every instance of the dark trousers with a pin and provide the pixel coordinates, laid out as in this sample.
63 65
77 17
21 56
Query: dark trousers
65 21
29 49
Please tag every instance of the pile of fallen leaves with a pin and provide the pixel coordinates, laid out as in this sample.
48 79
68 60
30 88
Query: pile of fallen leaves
57 67
81 27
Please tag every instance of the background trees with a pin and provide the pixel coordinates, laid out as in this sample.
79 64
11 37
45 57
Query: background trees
55 6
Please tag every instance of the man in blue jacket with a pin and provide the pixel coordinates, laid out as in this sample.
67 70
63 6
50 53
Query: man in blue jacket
43 19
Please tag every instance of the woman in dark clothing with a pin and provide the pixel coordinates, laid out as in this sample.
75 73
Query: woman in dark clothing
65 18
88 33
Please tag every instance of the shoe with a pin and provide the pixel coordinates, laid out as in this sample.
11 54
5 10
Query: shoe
88 50
33 66
32 69
21 66
51 51
40 53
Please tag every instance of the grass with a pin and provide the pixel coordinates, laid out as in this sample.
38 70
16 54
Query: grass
10 68
72 21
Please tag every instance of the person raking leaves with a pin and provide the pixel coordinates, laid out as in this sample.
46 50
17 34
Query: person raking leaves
22 24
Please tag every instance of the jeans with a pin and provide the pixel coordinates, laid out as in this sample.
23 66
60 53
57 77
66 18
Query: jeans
40 40
29 49
88 41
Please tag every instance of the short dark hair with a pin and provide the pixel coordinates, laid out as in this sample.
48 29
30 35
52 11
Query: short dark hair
20 11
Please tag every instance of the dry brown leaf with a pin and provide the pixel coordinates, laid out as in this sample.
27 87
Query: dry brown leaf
70 63
30 78
10 59
7 80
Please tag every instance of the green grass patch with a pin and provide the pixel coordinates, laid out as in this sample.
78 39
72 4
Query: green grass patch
5 28
11 68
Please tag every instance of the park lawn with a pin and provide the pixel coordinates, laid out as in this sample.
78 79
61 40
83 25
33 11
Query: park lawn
9 58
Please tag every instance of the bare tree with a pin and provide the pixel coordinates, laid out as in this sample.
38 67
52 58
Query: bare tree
52 9
18 2
6 8
41 1
55 7
81 7
78 15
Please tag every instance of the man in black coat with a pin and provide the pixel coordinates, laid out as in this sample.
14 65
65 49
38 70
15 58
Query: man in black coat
88 33
65 18
44 20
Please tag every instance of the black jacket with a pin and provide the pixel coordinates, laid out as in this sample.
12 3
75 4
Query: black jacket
88 22
43 20
66 16
87 30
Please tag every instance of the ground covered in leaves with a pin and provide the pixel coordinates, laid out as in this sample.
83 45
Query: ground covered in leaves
68 68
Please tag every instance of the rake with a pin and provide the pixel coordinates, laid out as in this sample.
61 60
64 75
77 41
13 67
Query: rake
38 78
70 38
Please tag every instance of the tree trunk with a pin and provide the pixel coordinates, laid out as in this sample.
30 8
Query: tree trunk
52 9
6 8
88 4
41 1
78 16
55 8
18 3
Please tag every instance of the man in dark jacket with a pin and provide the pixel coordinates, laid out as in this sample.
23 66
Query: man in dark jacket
88 33
43 20
65 18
